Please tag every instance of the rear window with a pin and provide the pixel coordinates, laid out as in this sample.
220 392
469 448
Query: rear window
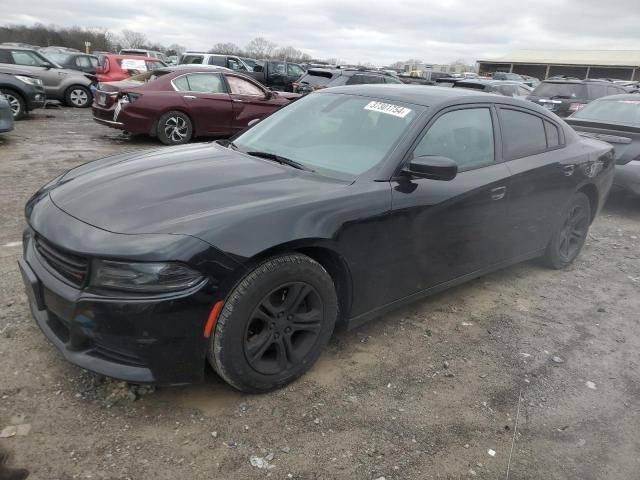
317 78
560 90
470 85
611 111
148 76
137 53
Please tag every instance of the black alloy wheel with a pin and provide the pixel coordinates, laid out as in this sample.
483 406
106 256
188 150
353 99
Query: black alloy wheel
568 240
283 328
274 324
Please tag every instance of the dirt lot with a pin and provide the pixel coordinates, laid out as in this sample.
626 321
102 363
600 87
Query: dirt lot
426 392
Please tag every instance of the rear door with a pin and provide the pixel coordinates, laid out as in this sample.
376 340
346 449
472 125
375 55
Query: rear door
448 229
543 178
249 101
207 102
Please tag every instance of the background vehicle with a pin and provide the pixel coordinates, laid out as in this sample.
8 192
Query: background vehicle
112 68
232 62
6 116
318 78
75 61
254 252
277 74
513 77
69 86
180 103
564 96
506 88
139 52
23 91
616 120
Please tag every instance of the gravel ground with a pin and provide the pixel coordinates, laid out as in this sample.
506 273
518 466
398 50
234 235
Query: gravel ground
537 366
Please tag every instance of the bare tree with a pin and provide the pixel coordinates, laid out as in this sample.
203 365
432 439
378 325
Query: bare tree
176 49
131 39
227 48
260 47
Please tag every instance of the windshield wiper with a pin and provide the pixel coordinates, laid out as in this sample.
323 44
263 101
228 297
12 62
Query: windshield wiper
281 160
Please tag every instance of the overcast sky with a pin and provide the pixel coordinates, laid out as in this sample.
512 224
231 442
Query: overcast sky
437 31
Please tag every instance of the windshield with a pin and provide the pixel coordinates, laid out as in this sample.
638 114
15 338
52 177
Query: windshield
560 90
611 111
250 62
336 135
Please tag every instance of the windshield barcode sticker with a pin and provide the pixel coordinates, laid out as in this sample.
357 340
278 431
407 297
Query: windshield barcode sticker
388 108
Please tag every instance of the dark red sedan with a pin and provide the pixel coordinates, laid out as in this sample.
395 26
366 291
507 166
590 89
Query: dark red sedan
177 104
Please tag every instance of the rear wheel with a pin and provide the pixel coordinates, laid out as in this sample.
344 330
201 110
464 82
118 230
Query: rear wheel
568 239
78 96
16 103
274 324
174 128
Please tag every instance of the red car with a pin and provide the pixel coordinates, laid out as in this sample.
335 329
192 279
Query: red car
112 68
179 103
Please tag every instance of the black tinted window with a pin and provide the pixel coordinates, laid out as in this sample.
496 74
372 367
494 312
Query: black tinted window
219 61
561 90
522 134
359 79
191 59
553 135
465 136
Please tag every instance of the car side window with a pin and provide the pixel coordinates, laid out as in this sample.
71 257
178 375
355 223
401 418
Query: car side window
294 70
234 64
218 61
553 135
240 86
83 62
465 136
522 134
205 83
181 83
26 58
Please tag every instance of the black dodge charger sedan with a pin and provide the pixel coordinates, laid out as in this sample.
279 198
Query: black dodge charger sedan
333 210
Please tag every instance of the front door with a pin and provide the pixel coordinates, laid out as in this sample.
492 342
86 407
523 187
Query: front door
207 102
250 102
444 230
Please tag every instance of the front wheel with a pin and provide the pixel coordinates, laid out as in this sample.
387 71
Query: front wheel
174 128
274 324
78 96
568 239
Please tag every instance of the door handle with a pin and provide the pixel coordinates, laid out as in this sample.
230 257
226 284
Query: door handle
568 170
189 97
237 100
498 193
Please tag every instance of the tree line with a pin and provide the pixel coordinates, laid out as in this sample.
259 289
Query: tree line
104 40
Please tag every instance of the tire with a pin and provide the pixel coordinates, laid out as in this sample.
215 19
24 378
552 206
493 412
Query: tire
16 102
569 237
263 341
174 128
78 96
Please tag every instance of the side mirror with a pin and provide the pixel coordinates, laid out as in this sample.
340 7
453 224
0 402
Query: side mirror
258 68
433 167
47 66
269 94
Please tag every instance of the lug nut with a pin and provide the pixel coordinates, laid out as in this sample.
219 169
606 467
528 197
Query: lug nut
287 330
289 317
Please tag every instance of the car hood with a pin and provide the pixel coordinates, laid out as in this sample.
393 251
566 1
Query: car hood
182 190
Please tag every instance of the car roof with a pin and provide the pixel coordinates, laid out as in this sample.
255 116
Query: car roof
623 96
482 81
128 57
193 68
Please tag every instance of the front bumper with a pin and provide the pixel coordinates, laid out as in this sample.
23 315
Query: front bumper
140 340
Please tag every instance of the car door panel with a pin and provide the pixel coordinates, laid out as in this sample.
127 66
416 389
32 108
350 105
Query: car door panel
249 101
210 112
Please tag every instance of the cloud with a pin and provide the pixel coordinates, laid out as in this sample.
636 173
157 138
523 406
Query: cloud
374 31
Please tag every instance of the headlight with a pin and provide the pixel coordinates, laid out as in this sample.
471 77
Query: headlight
29 80
143 277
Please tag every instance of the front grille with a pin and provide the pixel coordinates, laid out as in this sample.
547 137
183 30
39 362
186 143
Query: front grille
71 267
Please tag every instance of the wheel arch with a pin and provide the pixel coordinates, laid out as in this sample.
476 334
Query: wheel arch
323 252
16 92
591 191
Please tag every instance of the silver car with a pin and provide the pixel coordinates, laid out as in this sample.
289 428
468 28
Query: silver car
71 87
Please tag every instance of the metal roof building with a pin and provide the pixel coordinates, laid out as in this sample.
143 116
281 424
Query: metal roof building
619 64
